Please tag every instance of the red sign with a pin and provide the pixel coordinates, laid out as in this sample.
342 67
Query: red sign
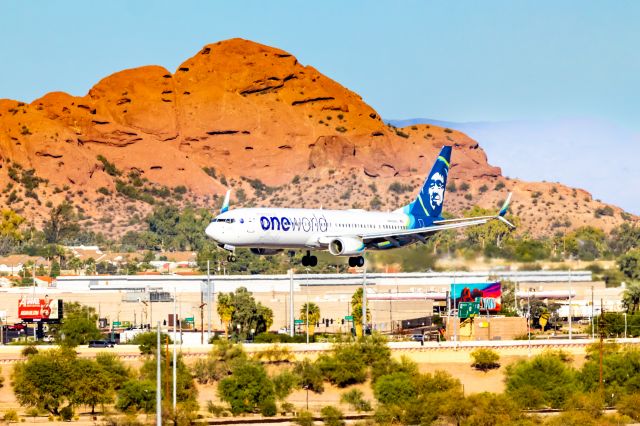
37 309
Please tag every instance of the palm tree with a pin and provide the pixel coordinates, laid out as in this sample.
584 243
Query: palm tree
225 310
74 263
314 316
631 297
90 266
356 311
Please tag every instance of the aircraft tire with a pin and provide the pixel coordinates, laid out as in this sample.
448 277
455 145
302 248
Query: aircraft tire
313 261
360 261
305 260
231 258
352 262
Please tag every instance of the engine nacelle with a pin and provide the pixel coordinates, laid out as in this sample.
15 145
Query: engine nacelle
346 246
265 252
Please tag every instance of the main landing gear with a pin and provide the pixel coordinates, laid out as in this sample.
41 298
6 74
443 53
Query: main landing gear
308 260
356 261
231 258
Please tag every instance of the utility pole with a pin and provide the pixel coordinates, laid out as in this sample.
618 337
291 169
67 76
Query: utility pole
593 330
158 379
602 331
175 323
208 302
201 315
307 306
364 301
291 314
570 312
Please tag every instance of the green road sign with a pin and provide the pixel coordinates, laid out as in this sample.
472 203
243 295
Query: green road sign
299 321
116 323
468 309
348 318
189 319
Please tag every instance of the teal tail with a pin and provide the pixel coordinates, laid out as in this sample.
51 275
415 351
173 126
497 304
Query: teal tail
427 206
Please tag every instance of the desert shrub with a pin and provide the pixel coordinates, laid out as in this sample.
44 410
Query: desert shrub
355 398
485 359
29 350
310 376
247 389
464 186
66 414
394 388
332 416
629 405
544 381
11 416
304 418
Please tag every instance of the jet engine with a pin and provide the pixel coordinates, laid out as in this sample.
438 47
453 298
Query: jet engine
346 246
265 252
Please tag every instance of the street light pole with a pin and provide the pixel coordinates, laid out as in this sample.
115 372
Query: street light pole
364 301
158 379
529 320
174 389
307 306
570 313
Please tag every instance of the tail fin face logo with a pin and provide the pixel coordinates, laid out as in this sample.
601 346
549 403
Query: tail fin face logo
431 197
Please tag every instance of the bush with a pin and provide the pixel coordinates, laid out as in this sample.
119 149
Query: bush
29 350
147 342
247 389
11 416
66 414
310 376
355 398
629 405
304 418
268 407
332 416
485 359
394 388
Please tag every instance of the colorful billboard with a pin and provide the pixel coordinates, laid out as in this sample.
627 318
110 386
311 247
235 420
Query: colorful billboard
488 294
39 309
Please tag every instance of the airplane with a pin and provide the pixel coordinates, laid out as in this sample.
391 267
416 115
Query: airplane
347 233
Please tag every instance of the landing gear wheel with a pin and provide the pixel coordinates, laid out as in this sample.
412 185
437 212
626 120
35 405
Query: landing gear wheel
352 262
231 258
360 261
305 260
313 261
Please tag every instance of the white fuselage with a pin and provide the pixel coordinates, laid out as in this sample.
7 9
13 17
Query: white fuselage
284 228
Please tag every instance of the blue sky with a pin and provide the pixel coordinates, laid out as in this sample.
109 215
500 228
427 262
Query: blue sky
462 61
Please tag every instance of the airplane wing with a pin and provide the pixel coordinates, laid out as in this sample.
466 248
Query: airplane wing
422 234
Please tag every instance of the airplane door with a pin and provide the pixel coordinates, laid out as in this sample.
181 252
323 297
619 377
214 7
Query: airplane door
250 225
420 223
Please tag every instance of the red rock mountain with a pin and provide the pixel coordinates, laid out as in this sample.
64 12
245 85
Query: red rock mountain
248 116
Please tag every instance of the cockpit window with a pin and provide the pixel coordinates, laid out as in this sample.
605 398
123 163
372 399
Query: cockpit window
223 220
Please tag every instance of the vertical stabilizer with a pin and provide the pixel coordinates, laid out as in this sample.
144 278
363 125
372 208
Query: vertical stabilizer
427 206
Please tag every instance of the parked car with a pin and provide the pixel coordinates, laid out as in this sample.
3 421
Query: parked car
100 344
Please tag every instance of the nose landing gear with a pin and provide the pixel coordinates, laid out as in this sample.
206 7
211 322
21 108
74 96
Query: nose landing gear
356 261
231 258
308 260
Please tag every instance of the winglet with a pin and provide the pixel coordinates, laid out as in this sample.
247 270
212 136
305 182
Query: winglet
225 204
503 212
505 206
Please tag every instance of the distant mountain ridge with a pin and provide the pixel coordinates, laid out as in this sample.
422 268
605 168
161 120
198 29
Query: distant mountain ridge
526 148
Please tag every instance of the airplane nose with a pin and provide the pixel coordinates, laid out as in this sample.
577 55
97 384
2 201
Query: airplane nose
211 231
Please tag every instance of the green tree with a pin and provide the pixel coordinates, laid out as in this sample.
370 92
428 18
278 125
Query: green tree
624 238
75 263
137 395
225 310
629 264
186 391
62 224
314 316
247 388
248 314
115 369
493 232
485 359
544 381
631 297
55 269
46 380
93 387
78 326
395 388
356 311
148 342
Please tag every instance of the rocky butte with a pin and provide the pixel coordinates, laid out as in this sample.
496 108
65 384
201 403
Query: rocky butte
252 117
